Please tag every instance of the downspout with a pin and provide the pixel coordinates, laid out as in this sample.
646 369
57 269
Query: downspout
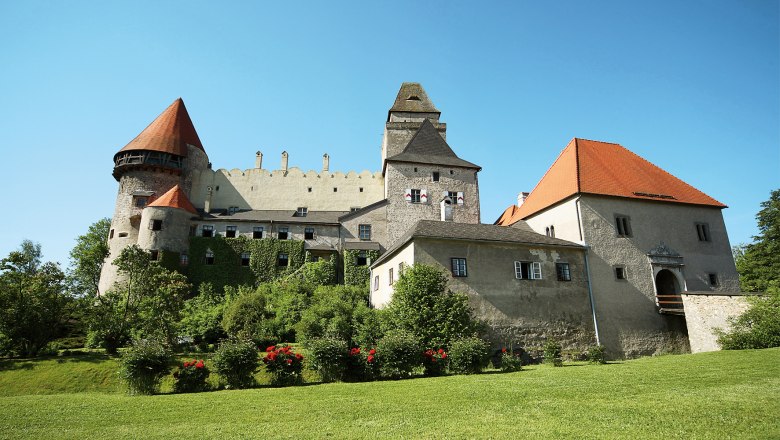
587 275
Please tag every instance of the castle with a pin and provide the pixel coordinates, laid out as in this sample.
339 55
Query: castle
607 248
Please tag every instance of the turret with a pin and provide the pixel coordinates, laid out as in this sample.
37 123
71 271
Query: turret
165 223
165 154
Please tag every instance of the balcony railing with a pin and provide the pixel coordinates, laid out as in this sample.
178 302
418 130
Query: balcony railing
670 304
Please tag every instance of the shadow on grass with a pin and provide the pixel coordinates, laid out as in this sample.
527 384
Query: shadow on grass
16 364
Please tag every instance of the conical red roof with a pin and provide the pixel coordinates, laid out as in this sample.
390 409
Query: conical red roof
174 198
170 132
603 168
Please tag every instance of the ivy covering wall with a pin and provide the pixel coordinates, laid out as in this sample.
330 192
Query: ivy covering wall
355 275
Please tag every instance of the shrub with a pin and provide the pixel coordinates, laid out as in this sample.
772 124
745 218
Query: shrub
361 365
283 364
248 315
510 361
399 354
202 316
552 353
596 354
191 377
236 361
758 326
468 355
434 362
328 356
144 365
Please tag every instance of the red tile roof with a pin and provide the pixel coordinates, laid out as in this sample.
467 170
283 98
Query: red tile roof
603 168
174 198
170 132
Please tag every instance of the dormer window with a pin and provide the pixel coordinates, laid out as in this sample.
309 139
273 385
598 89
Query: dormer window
232 210
302 212
413 98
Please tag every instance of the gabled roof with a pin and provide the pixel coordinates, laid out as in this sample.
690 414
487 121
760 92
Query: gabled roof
521 234
277 216
603 168
170 132
174 198
413 99
428 147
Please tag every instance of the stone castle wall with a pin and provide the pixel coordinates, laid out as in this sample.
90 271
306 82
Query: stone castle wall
706 312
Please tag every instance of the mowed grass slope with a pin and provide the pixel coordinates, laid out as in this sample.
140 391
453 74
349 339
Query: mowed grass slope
712 395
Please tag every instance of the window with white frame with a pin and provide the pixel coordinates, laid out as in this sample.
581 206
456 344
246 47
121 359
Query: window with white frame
364 232
308 233
459 267
230 231
528 270
207 231
376 282
415 196
257 232
282 260
302 211
245 258
209 260
390 279
284 233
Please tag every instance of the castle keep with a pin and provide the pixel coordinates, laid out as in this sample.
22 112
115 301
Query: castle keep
606 248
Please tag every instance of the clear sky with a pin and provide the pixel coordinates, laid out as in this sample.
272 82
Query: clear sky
692 86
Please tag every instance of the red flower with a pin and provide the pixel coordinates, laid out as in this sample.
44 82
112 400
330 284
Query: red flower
271 356
286 349
433 359
289 361
354 351
503 350
298 356
372 351
370 358
200 364
441 351
270 349
444 355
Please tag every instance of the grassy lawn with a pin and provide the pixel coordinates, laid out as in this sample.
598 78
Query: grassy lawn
710 395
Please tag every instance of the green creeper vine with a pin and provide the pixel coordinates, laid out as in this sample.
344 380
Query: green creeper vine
355 275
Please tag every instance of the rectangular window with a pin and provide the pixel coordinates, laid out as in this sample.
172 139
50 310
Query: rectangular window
623 226
620 273
245 258
435 176
703 231
376 282
415 196
563 272
459 267
283 233
453 195
257 232
282 260
209 258
207 231
232 210
110 234
364 232
308 233
362 259
184 259
550 231
390 276
400 268
302 211
155 225
140 201
354 209
230 231
154 255
713 277
528 270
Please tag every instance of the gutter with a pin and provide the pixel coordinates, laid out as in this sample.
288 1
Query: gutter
587 275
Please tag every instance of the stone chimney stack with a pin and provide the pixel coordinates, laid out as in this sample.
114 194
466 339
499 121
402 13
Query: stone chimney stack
325 162
521 198
284 161
258 160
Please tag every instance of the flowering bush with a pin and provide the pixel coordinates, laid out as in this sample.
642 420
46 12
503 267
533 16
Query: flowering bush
191 377
468 355
283 365
236 361
361 365
144 365
328 356
399 354
435 362
510 361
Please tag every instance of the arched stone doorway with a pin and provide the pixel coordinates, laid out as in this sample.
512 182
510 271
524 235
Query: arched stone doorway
668 290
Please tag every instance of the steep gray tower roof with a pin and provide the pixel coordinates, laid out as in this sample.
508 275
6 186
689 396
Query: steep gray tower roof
428 147
413 99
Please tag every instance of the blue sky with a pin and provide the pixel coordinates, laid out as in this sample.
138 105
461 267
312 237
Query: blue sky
692 86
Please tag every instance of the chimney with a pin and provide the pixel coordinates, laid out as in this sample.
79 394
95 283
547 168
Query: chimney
284 161
521 198
325 162
258 160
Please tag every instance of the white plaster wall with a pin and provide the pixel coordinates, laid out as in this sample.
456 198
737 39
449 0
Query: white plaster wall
174 235
383 295
706 313
258 188
563 216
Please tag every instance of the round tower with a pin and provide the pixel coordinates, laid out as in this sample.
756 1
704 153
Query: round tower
165 223
167 153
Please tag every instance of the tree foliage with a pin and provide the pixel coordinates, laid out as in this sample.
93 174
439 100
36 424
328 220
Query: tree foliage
758 263
423 306
33 301
87 257
759 326
147 302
